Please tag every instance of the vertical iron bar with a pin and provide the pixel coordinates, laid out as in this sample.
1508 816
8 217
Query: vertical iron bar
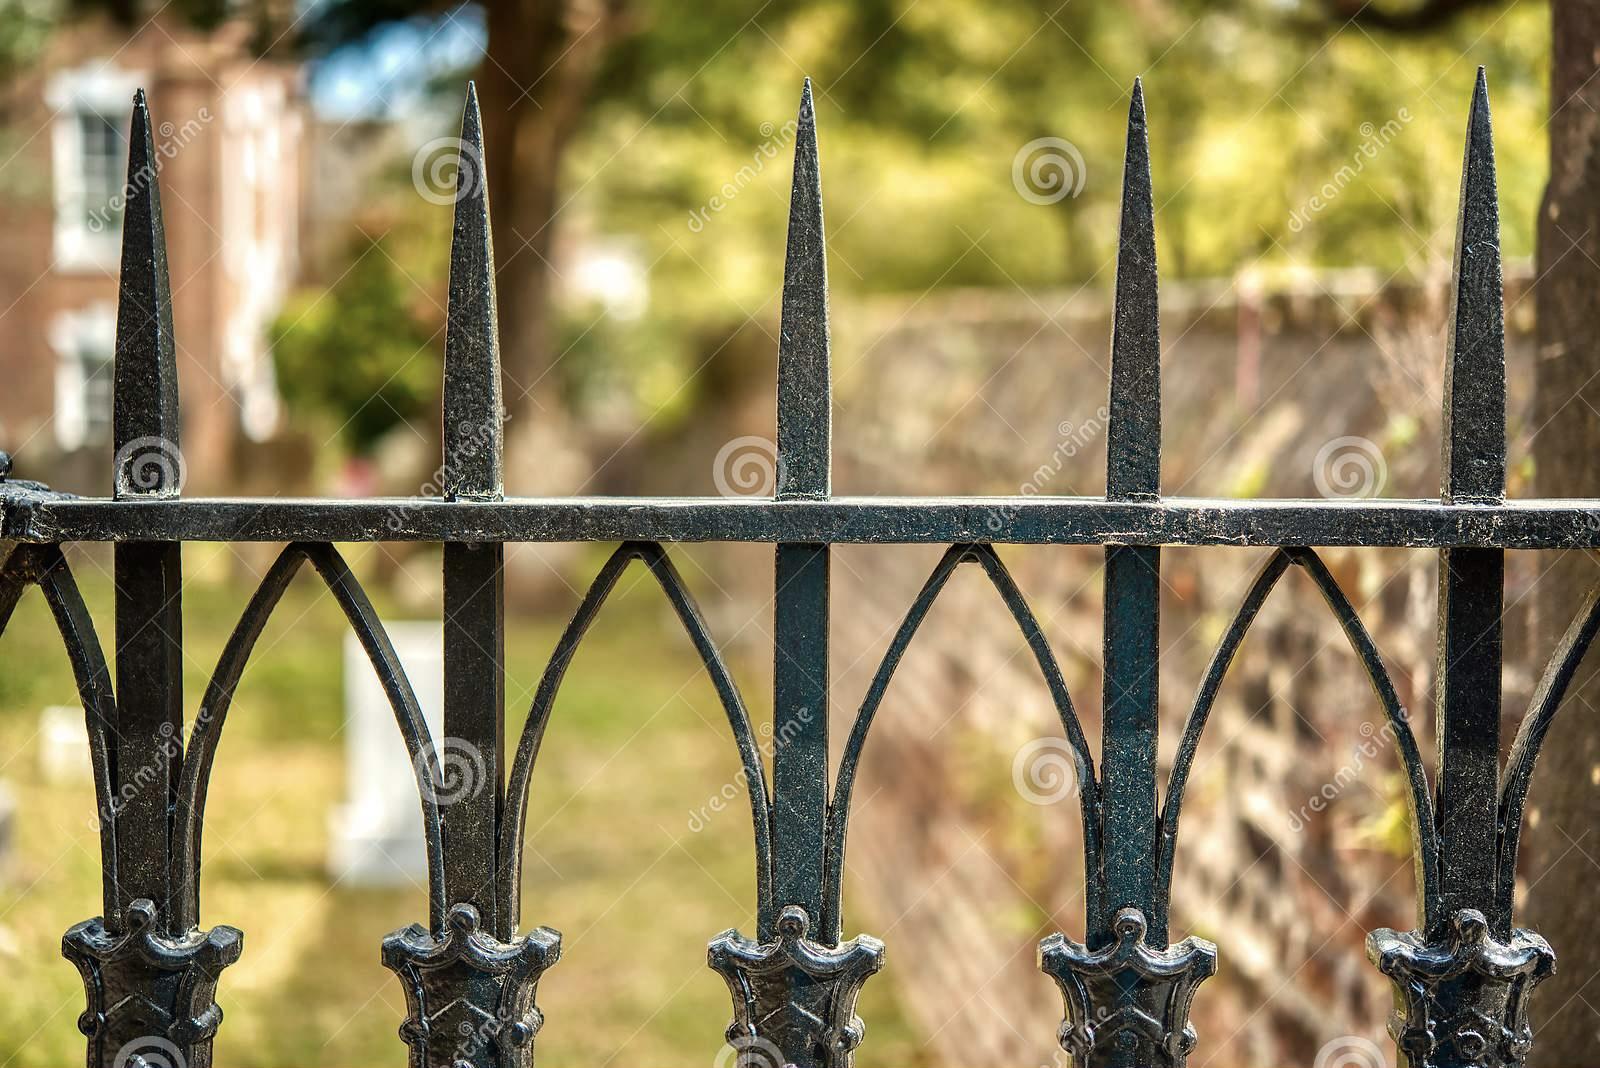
1133 573
473 749
1471 581
148 575
801 571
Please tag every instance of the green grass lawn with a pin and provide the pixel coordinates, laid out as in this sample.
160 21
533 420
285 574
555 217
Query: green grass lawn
638 742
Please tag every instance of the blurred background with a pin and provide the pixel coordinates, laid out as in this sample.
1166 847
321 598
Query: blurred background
1306 158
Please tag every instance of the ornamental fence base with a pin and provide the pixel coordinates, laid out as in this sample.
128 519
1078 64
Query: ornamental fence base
1461 999
1128 1004
794 1000
470 996
151 996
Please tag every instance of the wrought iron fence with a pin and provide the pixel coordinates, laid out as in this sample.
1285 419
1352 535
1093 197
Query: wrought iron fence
1462 979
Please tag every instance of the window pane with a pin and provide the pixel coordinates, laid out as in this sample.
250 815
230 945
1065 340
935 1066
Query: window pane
104 160
96 363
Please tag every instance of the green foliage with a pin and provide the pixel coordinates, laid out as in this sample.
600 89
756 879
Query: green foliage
25 27
1280 139
362 353
922 108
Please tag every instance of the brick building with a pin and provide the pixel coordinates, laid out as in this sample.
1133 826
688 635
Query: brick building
228 132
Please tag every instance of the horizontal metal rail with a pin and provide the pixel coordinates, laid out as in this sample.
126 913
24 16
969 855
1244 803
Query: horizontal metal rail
1413 524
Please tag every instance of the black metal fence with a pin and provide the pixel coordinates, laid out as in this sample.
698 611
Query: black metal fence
1461 979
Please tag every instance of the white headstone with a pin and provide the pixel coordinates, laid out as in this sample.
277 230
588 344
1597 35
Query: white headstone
376 835
63 744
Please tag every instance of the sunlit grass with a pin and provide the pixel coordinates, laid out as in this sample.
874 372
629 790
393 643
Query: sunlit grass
638 742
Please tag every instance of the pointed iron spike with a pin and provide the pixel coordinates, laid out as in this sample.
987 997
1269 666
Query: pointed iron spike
145 377
1474 462
473 409
1133 437
805 417
1472 581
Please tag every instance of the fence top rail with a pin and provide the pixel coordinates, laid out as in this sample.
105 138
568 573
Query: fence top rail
29 515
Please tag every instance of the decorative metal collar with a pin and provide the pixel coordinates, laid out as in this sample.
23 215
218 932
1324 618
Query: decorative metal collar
1462 998
1128 998
151 996
794 1000
470 996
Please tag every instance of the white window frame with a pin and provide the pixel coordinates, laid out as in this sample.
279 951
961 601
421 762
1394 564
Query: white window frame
93 89
71 334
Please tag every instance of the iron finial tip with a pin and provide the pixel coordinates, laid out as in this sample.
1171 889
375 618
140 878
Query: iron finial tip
804 417
1475 377
472 118
1480 93
474 408
145 374
1133 452
1478 117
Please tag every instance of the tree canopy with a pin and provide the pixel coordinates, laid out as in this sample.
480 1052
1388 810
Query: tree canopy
1282 137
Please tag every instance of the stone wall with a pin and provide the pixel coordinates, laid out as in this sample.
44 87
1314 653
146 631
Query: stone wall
1294 839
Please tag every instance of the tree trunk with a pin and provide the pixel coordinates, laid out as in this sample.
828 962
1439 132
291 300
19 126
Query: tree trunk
1563 834
534 85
